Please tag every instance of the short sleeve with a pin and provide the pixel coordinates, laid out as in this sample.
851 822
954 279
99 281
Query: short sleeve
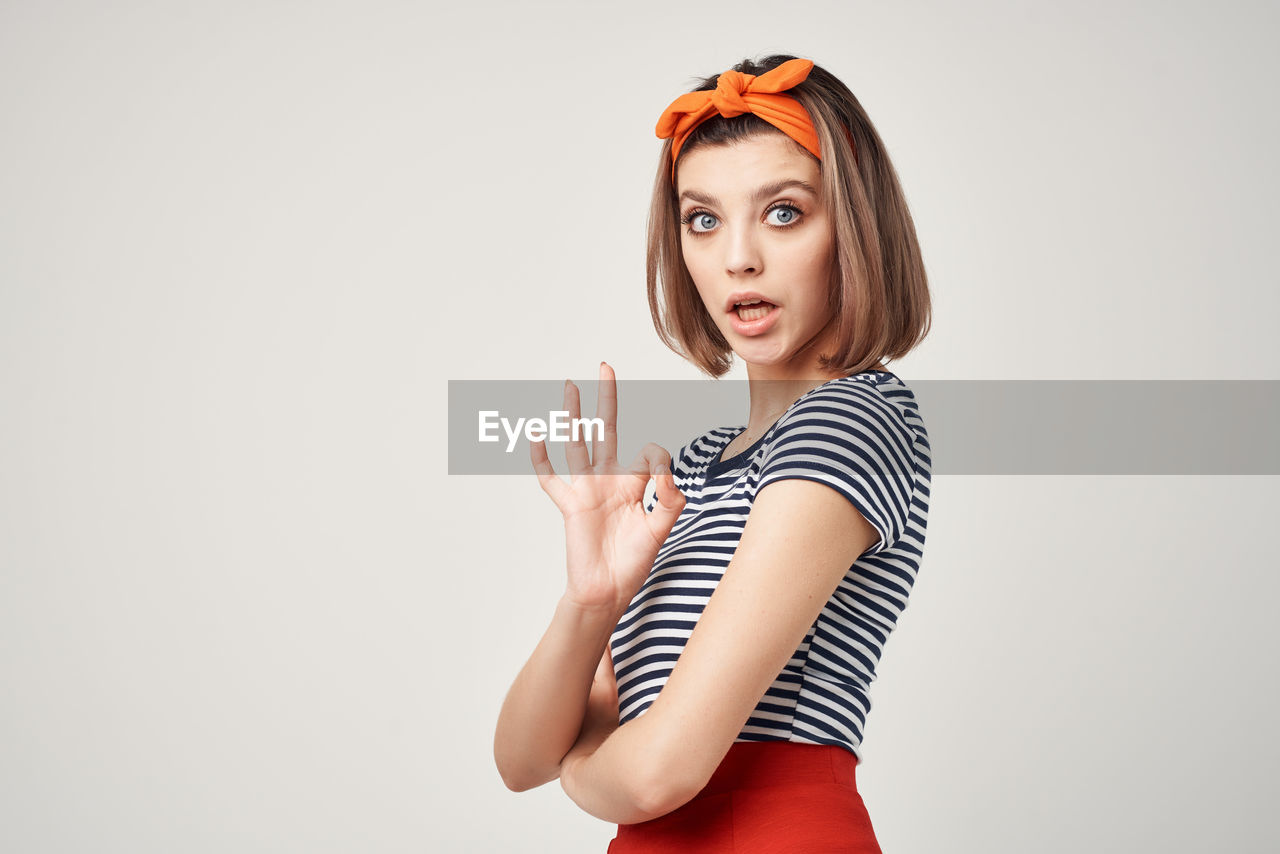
856 441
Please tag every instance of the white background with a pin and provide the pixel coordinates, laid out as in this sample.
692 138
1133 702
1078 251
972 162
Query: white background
244 246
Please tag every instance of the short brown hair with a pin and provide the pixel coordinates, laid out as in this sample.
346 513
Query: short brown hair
879 288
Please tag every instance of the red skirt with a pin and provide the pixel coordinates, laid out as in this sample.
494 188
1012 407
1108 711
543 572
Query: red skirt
771 797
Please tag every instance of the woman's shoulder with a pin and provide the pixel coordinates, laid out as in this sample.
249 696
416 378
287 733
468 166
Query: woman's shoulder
873 409
871 393
850 434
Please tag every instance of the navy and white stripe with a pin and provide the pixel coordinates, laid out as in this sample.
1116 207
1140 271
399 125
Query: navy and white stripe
863 436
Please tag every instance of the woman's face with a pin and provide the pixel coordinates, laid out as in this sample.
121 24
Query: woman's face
752 221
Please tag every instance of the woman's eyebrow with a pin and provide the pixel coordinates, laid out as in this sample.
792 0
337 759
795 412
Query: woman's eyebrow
760 193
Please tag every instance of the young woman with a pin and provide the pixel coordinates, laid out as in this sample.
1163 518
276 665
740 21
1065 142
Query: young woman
704 681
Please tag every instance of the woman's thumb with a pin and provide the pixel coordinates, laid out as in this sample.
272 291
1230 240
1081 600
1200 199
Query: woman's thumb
670 501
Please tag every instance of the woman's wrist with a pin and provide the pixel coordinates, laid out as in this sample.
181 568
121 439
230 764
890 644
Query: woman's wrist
591 614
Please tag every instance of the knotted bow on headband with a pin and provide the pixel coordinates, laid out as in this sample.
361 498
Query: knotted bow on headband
737 93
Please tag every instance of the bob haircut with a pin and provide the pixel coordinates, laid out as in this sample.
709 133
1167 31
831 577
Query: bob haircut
879 290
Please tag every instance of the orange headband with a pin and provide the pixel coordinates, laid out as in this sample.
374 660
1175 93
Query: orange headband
737 93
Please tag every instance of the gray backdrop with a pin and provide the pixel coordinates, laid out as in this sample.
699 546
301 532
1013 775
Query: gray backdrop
245 246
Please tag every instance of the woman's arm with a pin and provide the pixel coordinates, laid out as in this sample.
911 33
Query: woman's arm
543 711
614 773
611 541
798 543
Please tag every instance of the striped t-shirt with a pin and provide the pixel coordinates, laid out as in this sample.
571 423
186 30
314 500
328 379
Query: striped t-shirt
861 434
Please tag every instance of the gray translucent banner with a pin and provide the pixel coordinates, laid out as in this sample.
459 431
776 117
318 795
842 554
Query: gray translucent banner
1088 427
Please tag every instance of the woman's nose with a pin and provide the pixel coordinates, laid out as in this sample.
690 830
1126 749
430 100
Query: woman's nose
743 253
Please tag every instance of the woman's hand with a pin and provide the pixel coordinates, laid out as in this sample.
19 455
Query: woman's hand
611 540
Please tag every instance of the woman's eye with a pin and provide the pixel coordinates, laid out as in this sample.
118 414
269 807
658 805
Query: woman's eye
786 214
701 222
701 219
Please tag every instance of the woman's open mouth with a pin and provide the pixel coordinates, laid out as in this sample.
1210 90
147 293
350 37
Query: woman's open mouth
754 318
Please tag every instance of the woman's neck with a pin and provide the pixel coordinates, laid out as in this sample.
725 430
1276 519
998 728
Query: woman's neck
770 396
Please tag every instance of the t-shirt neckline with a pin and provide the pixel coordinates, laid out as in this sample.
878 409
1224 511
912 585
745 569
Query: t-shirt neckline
718 465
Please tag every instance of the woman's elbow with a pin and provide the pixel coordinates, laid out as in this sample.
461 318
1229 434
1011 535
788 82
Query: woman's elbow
666 786
513 782
656 799
521 777
523 782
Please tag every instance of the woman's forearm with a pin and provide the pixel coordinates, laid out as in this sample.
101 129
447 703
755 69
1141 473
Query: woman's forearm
617 776
543 710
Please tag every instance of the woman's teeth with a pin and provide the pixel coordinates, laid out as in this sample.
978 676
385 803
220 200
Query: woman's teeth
754 312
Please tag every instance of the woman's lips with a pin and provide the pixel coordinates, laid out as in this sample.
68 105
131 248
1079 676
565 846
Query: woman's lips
760 325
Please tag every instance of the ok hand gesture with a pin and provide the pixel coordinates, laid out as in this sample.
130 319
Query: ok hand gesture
611 541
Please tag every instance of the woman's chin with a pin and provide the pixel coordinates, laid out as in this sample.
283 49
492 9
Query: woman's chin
761 357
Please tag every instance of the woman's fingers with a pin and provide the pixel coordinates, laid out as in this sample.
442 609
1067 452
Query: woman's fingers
551 485
650 457
666 510
654 461
575 450
607 411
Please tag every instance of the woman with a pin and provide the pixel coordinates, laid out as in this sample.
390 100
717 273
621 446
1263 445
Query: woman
734 622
